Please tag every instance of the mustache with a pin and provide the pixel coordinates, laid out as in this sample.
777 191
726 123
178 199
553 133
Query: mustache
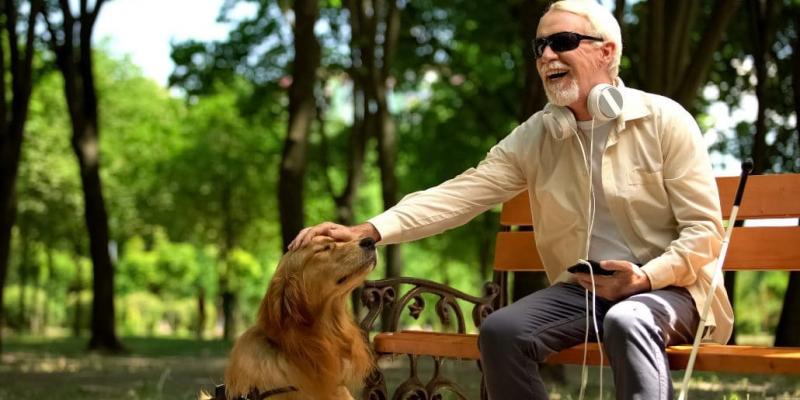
553 65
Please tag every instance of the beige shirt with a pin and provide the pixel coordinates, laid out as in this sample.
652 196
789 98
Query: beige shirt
657 182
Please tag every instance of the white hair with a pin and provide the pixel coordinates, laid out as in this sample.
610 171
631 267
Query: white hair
601 21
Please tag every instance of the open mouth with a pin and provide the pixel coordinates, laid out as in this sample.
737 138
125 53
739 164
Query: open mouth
556 75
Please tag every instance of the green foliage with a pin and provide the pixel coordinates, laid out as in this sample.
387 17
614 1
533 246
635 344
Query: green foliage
759 300
145 314
170 270
191 180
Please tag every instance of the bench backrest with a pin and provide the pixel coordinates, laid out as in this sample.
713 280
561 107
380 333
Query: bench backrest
751 247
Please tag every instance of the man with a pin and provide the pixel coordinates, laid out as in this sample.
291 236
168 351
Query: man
634 191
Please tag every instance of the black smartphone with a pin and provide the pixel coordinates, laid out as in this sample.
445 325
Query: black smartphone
584 265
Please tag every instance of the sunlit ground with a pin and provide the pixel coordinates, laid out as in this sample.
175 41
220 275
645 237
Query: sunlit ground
160 369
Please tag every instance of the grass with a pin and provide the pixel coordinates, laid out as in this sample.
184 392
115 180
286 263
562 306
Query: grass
168 368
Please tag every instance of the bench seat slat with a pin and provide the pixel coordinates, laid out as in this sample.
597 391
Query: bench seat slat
751 248
734 359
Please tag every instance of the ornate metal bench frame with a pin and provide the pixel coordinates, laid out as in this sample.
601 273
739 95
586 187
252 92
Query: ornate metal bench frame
381 296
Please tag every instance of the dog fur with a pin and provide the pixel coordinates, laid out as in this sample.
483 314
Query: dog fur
305 335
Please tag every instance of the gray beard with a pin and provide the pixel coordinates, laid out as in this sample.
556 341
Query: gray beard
562 97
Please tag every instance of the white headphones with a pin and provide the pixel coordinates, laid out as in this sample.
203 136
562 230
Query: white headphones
604 102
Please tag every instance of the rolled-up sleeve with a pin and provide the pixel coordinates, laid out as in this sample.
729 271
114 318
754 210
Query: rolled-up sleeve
455 202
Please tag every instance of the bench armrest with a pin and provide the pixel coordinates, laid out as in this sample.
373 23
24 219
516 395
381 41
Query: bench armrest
380 296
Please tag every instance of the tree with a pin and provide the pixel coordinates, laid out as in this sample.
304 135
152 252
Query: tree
13 114
374 27
71 43
787 332
219 189
676 45
48 185
302 108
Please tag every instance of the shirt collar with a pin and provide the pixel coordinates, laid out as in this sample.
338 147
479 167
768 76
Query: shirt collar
632 105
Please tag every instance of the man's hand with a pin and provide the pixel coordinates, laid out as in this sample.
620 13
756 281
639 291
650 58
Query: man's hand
628 279
340 233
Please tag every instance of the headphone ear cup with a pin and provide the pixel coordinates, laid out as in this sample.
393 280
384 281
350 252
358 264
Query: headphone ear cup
605 102
559 121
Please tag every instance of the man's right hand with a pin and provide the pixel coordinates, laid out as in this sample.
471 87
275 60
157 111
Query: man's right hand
340 233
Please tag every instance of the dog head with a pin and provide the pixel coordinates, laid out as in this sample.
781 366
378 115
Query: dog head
312 279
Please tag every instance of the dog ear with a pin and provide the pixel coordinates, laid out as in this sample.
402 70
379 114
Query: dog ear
285 305
294 306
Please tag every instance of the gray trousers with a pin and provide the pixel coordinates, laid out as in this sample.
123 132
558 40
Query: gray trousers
635 332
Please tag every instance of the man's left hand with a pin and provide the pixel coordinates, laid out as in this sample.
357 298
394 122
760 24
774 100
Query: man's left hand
628 279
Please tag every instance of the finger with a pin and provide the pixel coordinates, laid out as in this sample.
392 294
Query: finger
321 229
342 234
616 265
599 281
308 236
298 239
585 281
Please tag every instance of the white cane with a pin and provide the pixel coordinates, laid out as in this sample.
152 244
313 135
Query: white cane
747 166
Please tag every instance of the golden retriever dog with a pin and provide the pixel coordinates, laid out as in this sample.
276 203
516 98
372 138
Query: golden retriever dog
305 344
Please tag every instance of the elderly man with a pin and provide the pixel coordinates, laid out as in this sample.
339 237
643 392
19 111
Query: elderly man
614 175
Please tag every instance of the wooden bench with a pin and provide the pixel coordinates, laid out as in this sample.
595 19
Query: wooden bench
774 248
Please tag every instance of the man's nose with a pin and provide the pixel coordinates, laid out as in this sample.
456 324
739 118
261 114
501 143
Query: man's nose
548 54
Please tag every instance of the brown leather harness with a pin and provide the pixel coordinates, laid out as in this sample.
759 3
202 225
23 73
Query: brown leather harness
219 393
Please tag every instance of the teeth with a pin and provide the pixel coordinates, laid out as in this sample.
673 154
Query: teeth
555 74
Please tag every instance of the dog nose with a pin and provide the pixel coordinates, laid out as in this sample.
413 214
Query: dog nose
367 243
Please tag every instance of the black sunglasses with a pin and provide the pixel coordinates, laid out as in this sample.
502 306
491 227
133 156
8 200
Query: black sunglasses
561 41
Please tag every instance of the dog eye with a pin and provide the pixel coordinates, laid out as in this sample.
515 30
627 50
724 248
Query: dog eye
326 247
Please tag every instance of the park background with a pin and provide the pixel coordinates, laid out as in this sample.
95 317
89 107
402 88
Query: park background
142 215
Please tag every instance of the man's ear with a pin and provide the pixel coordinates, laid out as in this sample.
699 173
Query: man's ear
608 48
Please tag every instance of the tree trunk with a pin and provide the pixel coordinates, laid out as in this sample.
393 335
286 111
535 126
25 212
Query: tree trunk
228 306
22 308
35 316
693 71
77 323
201 313
533 99
301 115
386 129
51 287
532 96
72 44
85 144
787 333
763 30
12 123
670 66
375 27
229 243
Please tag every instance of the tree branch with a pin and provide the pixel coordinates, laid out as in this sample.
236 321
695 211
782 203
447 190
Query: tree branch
678 47
93 14
390 38
36 7
703 54
13 42
3 104
796 72
654 47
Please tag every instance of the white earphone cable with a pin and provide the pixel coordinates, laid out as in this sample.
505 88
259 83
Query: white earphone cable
584 371
591 273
